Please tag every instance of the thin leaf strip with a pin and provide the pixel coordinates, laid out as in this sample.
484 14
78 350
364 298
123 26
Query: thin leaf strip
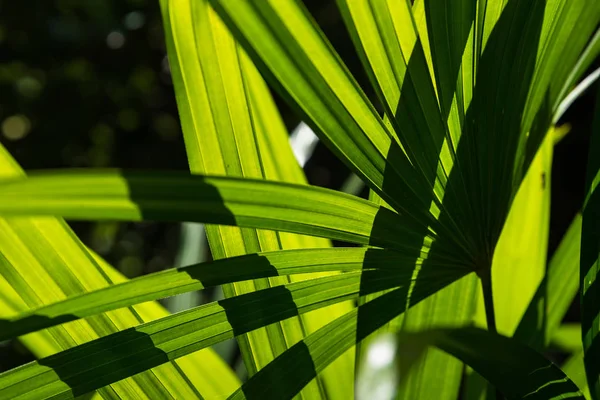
111 358
219 200
200 276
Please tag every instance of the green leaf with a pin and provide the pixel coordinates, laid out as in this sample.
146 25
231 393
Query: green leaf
567 337
554 294
288 373
232 127
109 359
438 374
42 261
387 37
229 201
574 368
200 276
590 249
507 105
531 301
566 31
388 42
40 344
361 347
519 263
515 369
587 58
290 50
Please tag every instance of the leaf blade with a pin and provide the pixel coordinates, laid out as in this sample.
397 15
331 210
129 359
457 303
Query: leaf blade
44 261
590 249
515 369
232 127
204 275
154 343
273 205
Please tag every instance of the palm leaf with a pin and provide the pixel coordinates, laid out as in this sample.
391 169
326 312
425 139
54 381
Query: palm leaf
486 170
204 275
109 359
567 337
232 127
293 369
515 369
542 319
574 368
590 248
181 197
44 262
477 85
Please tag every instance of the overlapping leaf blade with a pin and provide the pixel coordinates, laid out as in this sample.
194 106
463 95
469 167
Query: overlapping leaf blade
496 140
387 36
201 276
293 369
114 357
43 262
574 368
232 127
290 50
567 337
590 249
229 201
515 369
507 103
542 319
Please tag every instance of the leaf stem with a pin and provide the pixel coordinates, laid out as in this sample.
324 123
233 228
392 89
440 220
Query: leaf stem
488 299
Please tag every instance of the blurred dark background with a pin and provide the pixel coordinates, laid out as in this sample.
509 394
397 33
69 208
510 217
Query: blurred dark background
87 84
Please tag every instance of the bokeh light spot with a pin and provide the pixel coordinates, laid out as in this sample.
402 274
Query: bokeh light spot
115 40
134 20
16 127
28 86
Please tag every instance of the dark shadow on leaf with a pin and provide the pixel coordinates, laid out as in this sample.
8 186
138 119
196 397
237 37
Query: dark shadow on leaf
209 274
265 309
31 323
477 197
115 357
130 352
200 202
213 274
590 250
291 371
487 164
479 190
380 272
542 121
516 370
286 374
531 330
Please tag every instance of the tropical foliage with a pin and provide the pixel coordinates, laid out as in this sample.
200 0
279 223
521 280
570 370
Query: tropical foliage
456 149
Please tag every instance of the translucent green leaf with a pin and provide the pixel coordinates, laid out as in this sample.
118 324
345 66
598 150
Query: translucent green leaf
42 261
515 369
232 127
109 359
292 53
200 276
520 256
285 376
555 294
574 368
229 201
567 337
